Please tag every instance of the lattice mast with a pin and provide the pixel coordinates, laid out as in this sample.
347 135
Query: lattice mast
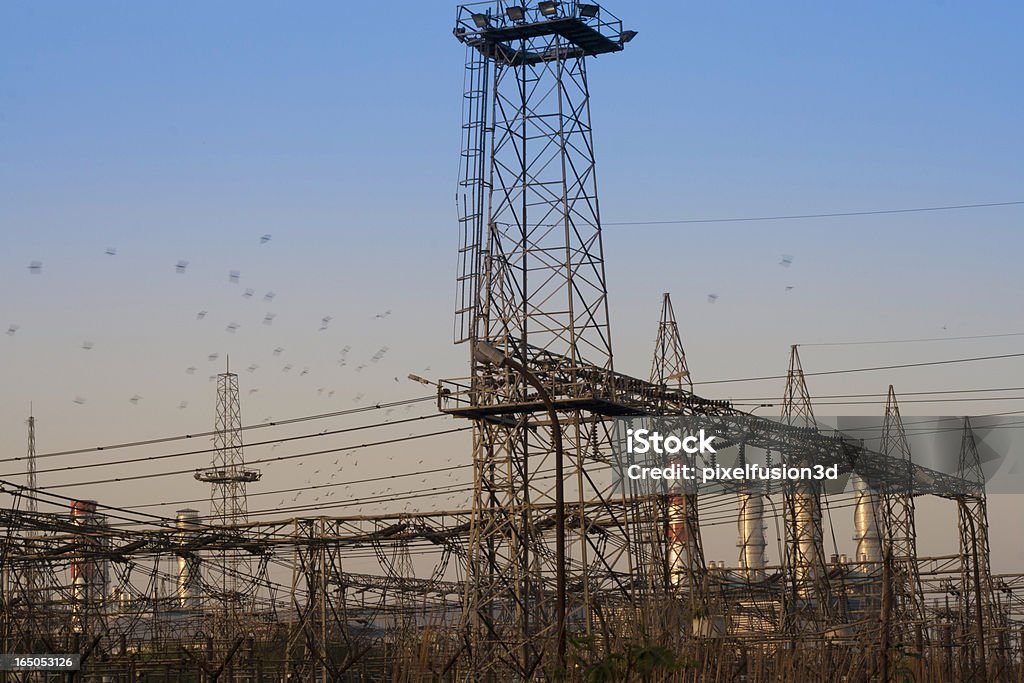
980 618
228 477
531 284
669 365
808 600
31 505
685 551
899 533
32 580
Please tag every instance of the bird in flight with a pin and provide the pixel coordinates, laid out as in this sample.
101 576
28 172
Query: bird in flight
36 267
269 296
11 330
200 315
111 251
233 276
87 345
180 267
265 238
787 260
712 298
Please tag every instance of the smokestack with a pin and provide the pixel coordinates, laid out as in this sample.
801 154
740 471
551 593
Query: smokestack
189 578
866 522
88 574
682 544
809 543
751 541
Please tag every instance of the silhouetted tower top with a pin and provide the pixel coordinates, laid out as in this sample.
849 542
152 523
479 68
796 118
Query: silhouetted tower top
31 505
531 278
228 474
796 401
669 364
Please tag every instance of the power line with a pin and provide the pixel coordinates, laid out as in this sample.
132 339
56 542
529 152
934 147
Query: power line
912 400
180 454
198 435
871 369
318 487
112 480
912 341
838 214
883 395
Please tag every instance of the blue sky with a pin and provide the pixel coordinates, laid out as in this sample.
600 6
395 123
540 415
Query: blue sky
186 130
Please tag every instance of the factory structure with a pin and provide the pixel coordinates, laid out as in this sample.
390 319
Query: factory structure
556 569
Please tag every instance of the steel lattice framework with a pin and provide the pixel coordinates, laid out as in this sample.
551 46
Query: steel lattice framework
682 522
532 284
979 622
899 532
228 477
669 364
810 600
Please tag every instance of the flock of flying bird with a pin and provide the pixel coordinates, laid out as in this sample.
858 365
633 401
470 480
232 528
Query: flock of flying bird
325 484
234 277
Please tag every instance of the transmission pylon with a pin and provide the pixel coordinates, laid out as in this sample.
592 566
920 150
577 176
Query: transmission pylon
685 551
531 285
228 477
669 364
808 600
899 533
979 617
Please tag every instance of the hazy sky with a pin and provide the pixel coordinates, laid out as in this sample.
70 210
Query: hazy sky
185 131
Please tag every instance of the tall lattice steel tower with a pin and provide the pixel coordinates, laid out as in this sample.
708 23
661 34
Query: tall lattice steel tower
899 529
30 463
31 586
808 598
980 622
685 556
228 477
531 287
